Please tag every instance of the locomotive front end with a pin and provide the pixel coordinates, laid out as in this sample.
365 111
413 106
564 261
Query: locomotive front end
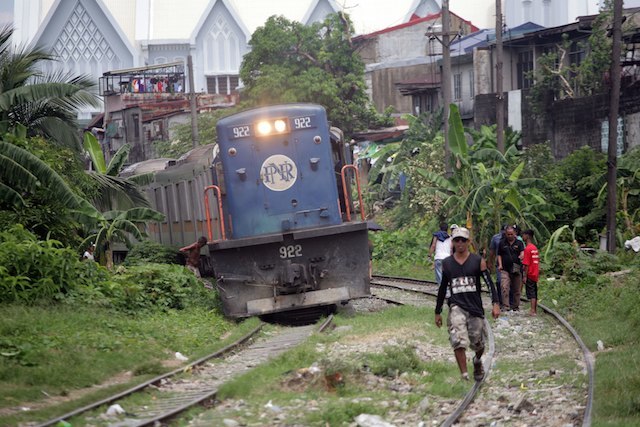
303 269
289 246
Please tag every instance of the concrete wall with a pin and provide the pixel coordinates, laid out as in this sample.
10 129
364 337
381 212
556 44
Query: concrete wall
573 123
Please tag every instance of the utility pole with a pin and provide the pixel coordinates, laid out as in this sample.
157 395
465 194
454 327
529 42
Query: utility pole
612 160
192 104
499 88
446 84
445 78
446 40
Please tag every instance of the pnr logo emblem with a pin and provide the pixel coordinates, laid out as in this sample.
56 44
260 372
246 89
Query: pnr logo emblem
278 172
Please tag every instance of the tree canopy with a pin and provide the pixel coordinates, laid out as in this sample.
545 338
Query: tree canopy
293 62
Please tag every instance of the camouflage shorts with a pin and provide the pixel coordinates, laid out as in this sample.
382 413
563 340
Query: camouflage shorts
465 330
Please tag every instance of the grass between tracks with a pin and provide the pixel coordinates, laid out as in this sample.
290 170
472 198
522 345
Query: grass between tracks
355 374
71 356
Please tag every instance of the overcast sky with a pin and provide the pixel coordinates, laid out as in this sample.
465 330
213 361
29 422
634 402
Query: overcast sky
370 11
6 12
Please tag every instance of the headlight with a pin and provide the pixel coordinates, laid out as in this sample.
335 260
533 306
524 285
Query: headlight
280 126
264 128
272 127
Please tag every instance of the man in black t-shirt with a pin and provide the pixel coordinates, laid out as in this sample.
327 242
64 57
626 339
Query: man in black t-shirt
461 276
510 253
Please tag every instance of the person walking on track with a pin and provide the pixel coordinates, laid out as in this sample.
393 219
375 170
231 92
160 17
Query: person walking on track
461 274
510 252
441 246
531 263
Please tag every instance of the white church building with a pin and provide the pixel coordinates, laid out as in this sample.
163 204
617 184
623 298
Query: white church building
98 36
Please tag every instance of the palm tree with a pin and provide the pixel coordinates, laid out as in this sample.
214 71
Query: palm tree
115 192
119 226
21 173
45 103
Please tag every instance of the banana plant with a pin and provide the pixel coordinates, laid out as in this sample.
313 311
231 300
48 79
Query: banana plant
487 188
22 172
627 189
119 226
115 192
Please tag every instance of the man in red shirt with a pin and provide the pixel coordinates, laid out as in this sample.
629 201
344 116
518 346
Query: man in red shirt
531 262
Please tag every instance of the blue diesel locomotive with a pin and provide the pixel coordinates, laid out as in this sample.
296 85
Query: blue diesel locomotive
282 238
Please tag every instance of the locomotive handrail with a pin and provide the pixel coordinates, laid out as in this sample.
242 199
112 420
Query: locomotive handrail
208 212
344 188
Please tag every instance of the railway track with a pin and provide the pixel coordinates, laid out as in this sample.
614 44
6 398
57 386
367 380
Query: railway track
173 393
552 386
535 374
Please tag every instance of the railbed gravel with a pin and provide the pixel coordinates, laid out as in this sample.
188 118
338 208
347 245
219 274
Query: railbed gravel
538 378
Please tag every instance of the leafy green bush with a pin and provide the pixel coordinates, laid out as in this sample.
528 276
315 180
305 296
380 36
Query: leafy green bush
566 259
402 252
32 269
158 287
150 251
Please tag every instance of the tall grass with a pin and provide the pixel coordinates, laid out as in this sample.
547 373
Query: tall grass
606 309
57 349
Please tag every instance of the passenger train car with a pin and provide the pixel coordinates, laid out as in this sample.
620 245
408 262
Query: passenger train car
274 199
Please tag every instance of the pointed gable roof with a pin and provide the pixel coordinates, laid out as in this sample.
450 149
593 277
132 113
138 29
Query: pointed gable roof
97 19
319 8
422 8
232 11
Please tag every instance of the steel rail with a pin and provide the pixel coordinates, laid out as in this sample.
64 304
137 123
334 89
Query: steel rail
207 395
178 404
488 360
155 380
588 356
588 359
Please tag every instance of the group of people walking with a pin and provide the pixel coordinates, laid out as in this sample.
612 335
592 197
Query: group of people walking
458 273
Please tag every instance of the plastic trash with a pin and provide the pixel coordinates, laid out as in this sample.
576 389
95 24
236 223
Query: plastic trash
114 410
368 420
600 345
272 407
181 356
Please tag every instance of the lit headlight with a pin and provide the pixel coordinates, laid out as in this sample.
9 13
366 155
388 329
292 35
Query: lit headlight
280 126
264 128
272 127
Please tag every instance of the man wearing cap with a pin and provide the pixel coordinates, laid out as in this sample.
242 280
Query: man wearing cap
461 277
